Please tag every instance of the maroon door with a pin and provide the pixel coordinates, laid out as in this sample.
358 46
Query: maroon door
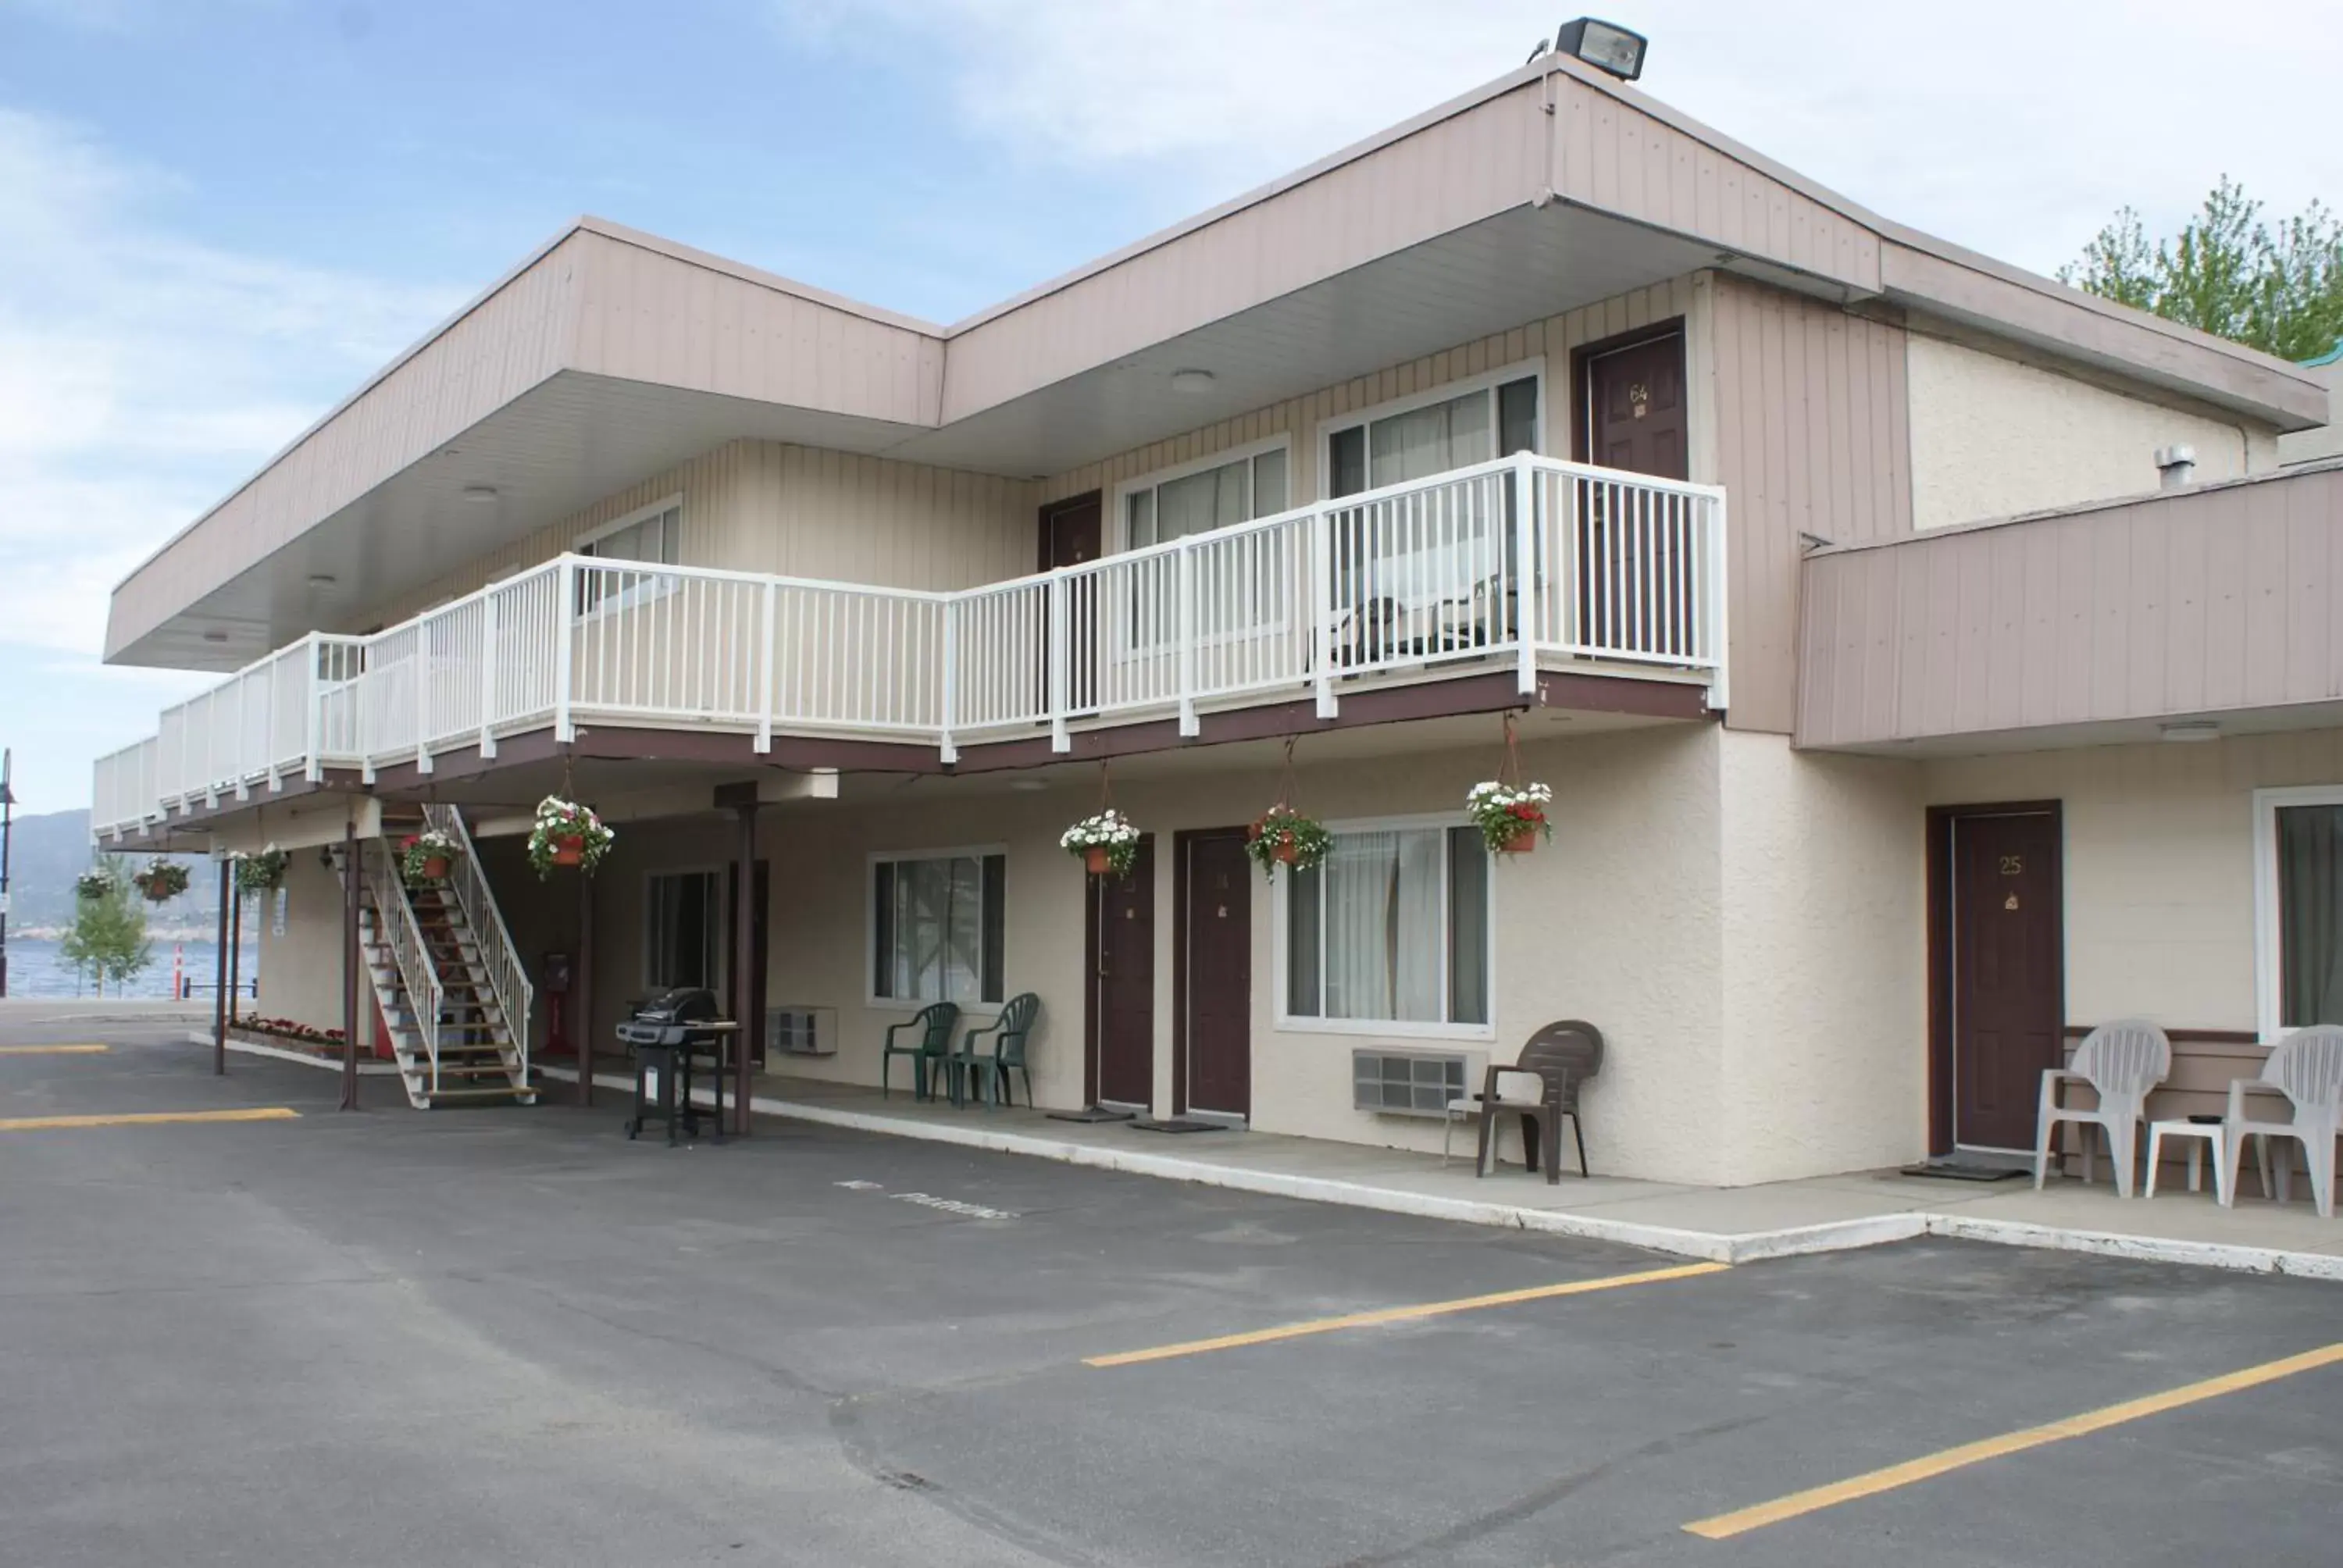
1073 532
1120 1020
1216 1044
2008 972
1631 413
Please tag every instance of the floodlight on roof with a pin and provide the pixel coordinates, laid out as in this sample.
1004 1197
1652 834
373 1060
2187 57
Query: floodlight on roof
1606 45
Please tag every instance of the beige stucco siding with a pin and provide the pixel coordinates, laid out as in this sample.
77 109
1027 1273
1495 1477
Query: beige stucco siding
1994 436
801 511
301 971
1824 940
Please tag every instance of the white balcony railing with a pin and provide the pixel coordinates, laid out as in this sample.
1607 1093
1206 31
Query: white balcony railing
1510 562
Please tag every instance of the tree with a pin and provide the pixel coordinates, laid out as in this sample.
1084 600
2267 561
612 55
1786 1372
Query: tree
2227 272
107 938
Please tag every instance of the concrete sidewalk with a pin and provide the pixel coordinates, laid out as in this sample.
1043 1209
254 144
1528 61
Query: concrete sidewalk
1728 1225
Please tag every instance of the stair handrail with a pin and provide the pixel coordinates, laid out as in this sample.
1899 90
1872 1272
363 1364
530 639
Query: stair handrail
402 933
508 977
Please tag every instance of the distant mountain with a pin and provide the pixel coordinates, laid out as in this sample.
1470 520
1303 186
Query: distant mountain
46 852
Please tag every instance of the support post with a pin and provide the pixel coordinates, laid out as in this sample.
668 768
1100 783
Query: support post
565 613
767 632
422 698
488 675
745 959
1059 740
1321 607
219 977
234 936
350 964
1186 632
582 978
947 750
1524 491
313 716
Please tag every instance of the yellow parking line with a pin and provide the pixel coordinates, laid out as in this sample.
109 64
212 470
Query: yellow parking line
142 1117
1725 1525
53 1049
1403 1314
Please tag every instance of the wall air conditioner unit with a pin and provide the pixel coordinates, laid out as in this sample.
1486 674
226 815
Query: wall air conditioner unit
800 1032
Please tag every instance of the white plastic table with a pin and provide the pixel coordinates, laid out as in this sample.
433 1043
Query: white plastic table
2203 1135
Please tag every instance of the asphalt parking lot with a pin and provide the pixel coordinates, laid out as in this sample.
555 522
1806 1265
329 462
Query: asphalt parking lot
512 1336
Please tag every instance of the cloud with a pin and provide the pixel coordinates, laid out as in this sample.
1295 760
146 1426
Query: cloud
143 372
2016 132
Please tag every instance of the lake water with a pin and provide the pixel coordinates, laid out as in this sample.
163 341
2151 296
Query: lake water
34 969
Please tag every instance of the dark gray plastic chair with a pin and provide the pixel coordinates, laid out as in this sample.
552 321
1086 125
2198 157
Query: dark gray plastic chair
1564 1056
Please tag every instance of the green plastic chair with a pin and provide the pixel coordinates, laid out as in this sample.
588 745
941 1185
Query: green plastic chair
932 1029
990 1072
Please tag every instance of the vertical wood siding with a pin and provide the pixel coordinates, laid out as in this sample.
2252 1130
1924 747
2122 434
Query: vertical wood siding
510 342
1613 155
2190 603
1812 431
1552 339
801 511
1445 175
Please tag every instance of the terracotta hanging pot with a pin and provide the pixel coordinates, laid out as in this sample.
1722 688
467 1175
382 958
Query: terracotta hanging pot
1524 840
570 849
1097 859
435 868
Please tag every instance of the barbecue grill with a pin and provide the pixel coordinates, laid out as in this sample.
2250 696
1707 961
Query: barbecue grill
664 1034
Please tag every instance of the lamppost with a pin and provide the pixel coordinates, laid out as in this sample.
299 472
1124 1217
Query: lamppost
8 831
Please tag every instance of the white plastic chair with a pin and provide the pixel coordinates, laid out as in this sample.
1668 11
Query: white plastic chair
2307 1067
2122 1060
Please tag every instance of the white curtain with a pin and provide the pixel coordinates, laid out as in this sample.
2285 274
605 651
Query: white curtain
1427 441
938 940
1211 499
1384 931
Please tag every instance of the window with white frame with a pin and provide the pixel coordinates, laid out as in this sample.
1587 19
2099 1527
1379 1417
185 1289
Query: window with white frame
1391 929
1420 436
937 923
682 929
2298 839
652 536
1158 509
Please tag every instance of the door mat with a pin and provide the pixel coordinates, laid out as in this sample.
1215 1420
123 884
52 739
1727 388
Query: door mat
1088 1113
1958 1169
1176 1125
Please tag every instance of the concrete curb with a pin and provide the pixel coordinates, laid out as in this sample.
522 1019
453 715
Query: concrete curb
299 1057
1714 1247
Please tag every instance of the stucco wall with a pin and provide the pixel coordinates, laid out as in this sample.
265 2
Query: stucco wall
301 971
1993 437
1825 950
2159 870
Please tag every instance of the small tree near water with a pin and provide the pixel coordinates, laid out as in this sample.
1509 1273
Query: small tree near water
108 940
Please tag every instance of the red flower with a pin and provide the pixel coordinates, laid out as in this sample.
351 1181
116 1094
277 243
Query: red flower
410 842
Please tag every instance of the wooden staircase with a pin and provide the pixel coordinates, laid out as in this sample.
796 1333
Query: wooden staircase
448 1028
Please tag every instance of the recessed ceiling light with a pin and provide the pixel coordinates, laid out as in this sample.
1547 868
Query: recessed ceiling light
1027 786
480 495
1191 381
321 580
215 635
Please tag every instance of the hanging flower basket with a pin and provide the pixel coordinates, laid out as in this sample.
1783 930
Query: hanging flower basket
566 834
260 873
1510 817
93 884
1107 843
424 858
1285 837
161 880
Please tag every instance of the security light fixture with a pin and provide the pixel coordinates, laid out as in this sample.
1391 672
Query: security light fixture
2188 729
1191 381
215 635
1606 45
321 580
480 495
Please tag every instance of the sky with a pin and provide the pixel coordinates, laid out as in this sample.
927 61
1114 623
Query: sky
218 216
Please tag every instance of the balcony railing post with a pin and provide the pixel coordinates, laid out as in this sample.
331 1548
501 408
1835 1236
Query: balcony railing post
565 613
767 608
1186 629
313 713
1059 740
1321 607
422 665
1720 690
1525 574
489 628
948 682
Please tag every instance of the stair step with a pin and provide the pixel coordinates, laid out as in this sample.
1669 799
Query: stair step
476 1095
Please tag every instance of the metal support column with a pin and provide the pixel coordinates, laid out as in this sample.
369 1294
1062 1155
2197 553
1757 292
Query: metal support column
350 875
581 980
234 935
219 975
745 959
